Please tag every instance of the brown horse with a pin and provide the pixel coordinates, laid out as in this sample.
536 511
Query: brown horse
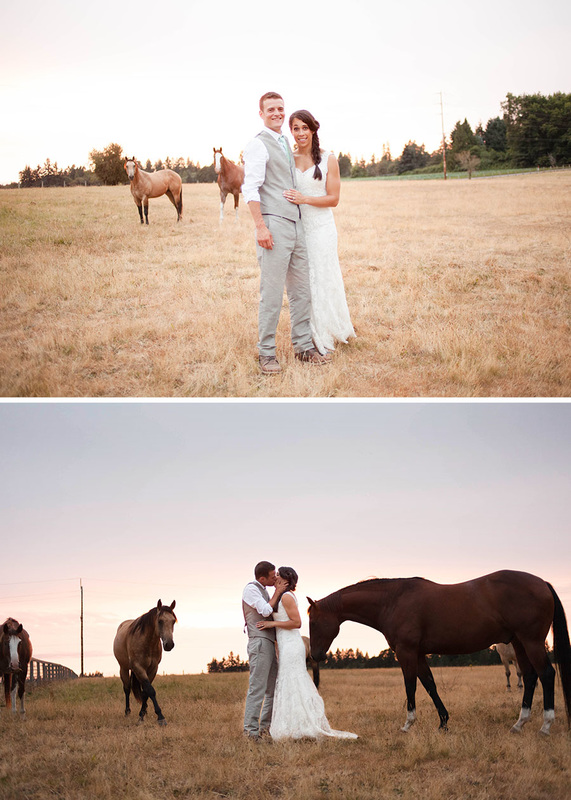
418 617
153 184
15 655
506 653
230 179
137 648
314 664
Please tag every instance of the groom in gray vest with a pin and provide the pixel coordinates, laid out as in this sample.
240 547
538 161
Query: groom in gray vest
256 605
281 249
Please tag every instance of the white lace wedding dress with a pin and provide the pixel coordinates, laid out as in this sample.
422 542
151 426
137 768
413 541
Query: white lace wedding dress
330 319
298 708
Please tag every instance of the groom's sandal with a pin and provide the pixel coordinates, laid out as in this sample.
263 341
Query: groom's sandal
269 365
313 356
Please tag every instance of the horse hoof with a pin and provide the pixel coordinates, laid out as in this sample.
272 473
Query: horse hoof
162 722
513 729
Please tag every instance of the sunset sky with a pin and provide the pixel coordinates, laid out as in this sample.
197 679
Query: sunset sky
179 78
171 500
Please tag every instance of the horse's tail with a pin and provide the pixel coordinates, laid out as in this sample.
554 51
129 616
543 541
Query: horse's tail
136 688
562 650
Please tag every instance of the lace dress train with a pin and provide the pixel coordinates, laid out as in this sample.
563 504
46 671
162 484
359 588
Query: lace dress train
298 710
330 319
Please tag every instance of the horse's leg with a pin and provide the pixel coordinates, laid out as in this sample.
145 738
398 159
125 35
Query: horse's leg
518 671
529 684
179 206
408 664
140 208
542 665
21 693
236 201
149 693
427 680
13 694
8 690
222 201
126 681
507 669
146 209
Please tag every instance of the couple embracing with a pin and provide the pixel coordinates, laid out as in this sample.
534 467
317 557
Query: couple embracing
296 248
282 701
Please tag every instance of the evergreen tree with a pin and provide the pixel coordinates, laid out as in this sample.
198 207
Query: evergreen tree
108 165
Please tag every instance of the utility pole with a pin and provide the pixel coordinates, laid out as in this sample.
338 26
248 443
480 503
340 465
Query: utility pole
81 618
443 137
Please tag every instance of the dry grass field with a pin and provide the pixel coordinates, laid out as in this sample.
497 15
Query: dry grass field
456 289
77 745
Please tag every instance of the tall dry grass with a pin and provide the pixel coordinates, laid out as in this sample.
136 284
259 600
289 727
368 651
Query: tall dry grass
457 289
77 745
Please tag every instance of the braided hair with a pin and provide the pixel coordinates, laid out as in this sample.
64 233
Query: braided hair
313 125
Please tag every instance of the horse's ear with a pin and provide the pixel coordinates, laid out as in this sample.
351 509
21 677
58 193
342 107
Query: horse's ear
5 628
310 601
173 604
159 605
20 628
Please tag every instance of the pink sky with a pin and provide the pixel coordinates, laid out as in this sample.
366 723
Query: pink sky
179 500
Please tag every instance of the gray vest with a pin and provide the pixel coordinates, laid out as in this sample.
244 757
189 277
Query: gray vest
280 175
251 615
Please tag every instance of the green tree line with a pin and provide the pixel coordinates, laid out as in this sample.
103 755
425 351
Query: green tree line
355 659
533 131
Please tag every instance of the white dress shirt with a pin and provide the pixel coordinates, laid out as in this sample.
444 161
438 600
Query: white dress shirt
253 596
255 159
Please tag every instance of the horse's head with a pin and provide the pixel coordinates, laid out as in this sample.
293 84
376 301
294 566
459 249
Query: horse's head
166 619
217 159
131 167
323 627
10 643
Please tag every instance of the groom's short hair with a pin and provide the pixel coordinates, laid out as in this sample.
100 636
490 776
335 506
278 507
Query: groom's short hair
269 96
263 569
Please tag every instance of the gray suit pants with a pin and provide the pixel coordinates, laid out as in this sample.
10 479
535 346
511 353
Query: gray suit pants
263 673
285 265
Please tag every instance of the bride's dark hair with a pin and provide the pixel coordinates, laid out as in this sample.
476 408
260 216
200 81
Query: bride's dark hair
290 575
313 125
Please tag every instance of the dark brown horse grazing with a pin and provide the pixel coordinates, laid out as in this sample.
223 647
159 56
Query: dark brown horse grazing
137 648
506 653
15 655
153 184
418 617
230 179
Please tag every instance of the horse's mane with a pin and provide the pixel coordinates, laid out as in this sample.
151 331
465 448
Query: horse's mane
145 621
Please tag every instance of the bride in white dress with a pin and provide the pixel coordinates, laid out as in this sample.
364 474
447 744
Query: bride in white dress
319 183
298 710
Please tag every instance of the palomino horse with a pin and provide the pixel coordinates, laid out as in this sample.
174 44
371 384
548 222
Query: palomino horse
312 661
137 648
15 655
154 184
418 617
230 179
506 653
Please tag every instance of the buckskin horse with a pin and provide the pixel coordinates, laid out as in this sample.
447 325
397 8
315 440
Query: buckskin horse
15 655
153 184
506 653
137 648
230 179
418 617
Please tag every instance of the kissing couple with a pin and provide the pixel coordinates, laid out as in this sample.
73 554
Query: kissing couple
282 701
291 196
